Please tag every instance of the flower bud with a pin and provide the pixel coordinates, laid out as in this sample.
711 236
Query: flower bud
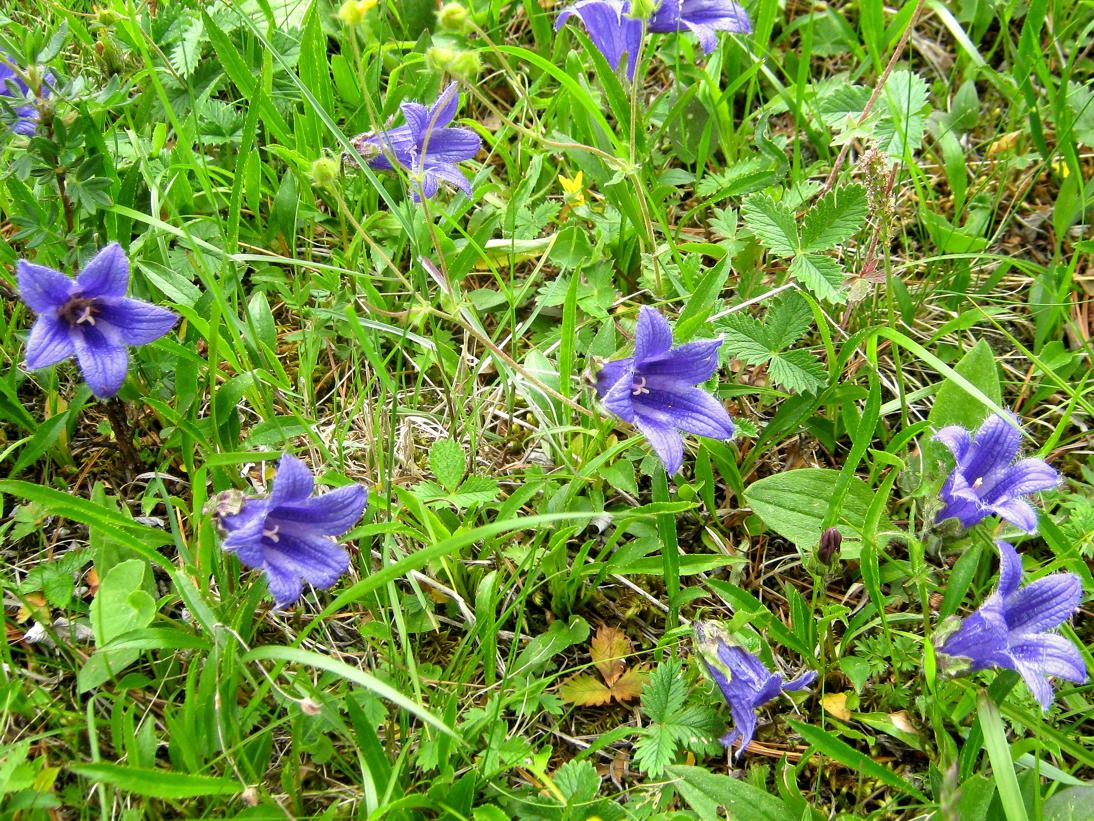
828 549
309 707
352 12
324 172
462 64
643 9
453 17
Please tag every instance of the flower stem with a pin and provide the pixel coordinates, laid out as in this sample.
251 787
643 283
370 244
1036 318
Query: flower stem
123 433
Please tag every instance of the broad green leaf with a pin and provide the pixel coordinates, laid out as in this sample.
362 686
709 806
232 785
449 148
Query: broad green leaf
166 784
121 606
797 370
794 504
843 105
446 460
953 405
835 218
772 223
822 275
709 793
1072 804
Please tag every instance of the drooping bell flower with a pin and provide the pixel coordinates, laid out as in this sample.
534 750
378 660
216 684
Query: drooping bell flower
90 318
610 28
986 480
655 389
290 535
426 146
703 18
1015 629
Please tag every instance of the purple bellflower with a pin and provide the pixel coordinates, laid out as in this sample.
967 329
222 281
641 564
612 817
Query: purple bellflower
703 18
19 97
90 318
610 29
984 480
289 535
1012 630
425 146
655 389
745 682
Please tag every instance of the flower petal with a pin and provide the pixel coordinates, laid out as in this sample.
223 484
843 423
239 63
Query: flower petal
705 33
417 120
1010 568
981 638
106 274
1020 479
447 172
1038 685
451 145
690 409
317 559
42 289
444 110
398 144
993 448
138 322
612 372
667 443
1018 512
49 342
689 364
956 438
1053 655
961 502
619 399
611 31
293 482
104 362
802 681
652 336
1044 604
331 514
744 723
284 583
719 14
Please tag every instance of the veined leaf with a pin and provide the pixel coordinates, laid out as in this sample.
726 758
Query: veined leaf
772 223
820 274
834 219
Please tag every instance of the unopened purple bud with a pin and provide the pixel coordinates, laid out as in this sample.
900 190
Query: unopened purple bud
828 549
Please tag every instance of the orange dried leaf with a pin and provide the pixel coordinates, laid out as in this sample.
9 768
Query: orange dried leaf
35 606
836 704
585 691
607 649
629 686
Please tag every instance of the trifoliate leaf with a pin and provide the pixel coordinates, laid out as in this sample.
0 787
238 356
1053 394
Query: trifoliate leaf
629 686
834 219
772 223
608 649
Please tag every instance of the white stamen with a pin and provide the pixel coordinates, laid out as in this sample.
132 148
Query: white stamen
977 483
271 534
86 316
638 386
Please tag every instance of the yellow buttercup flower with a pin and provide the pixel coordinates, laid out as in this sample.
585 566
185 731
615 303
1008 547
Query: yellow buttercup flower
573 189
352 12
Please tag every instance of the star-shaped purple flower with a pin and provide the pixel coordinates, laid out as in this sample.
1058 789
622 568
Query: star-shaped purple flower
745 682
703 18
19 97
654 389
611 30
90 318
426 147
984 480
1012 630
290 535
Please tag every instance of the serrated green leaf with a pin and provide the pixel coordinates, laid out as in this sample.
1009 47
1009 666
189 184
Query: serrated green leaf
788 319
665 692
655 750
834 219
843 105
578 781
900 129
166 784
446 460
746 338
475 490
772 223
823 276
797 370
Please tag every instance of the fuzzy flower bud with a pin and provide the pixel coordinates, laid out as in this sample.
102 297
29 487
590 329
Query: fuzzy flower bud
453 17
352 12
828 549
324 172
462 64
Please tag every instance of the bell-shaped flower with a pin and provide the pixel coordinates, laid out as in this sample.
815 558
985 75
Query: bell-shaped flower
655 389
90 318
426 147
744 680
610 29
290 535
1014 629
22 114
986 480
703 18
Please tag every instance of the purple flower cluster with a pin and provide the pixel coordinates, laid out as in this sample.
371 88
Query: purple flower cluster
17 96
615 32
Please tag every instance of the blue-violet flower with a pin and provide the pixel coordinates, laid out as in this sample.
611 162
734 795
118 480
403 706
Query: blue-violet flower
425 146
984 480
610 29
704 18
20 98
90 318
655 389
1011 629
745 682
289 535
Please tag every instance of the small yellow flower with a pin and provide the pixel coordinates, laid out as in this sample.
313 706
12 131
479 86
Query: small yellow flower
352 12
1063 171
573 189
